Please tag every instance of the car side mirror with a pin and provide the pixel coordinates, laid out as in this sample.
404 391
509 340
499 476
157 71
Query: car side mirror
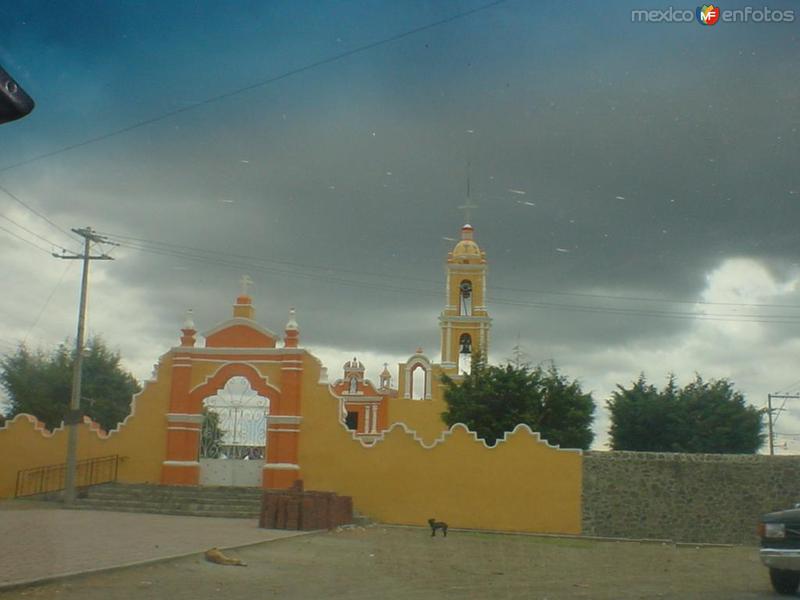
14 102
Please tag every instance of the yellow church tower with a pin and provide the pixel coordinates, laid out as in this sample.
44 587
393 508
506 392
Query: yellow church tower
465 323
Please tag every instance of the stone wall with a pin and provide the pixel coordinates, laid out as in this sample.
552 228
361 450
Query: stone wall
715 498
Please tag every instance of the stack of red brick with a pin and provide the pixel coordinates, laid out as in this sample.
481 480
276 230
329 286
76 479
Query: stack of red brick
301 510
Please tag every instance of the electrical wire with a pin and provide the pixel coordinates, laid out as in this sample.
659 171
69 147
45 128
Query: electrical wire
34 211
33 233
167 246
47 301
38 247
257 84
252 263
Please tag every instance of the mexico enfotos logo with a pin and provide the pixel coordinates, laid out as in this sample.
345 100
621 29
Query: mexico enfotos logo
712 14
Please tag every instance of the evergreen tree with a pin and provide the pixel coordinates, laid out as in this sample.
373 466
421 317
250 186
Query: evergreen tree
492 400
40 383
700 417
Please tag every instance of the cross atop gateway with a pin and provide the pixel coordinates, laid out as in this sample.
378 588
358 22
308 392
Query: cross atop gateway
245 281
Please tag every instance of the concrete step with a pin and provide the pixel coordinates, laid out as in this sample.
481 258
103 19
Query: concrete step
197 496
229 502
149 490
103 503
169 511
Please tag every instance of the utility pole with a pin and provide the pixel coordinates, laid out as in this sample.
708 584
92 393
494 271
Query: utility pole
74 417
771 421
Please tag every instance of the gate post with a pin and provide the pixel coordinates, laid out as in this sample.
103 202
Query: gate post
281 467
184 423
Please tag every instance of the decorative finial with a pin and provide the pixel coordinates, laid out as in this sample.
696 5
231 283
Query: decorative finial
188 330
419 349
292 325
244 282
188 322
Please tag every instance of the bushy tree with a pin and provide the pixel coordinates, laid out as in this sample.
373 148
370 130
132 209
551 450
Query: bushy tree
704 416
492 400
40 383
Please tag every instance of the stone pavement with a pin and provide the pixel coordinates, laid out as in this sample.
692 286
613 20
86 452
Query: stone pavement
38 544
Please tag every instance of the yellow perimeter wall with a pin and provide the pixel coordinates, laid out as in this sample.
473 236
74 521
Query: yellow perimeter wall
522 484
139 441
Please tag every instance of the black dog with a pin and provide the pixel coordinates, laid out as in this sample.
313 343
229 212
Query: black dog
437 525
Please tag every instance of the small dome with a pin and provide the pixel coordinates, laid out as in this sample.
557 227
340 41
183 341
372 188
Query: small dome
467 248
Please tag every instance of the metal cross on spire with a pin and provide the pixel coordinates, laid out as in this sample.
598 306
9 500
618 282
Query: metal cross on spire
245 281
468 205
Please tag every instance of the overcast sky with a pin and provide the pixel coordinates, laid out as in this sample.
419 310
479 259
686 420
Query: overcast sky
638 184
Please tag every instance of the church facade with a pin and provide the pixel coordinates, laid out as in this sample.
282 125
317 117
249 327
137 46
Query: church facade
252 407
270 371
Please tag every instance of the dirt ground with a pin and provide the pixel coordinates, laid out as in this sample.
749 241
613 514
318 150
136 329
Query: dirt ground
394 563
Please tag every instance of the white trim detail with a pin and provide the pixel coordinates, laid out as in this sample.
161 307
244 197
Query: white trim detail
269 429
418 360
284 419
261 376
181 463
522 428
195 429
184 418
281 466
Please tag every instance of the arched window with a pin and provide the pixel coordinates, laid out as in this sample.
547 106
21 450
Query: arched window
419 382
465 298
465 353
353 385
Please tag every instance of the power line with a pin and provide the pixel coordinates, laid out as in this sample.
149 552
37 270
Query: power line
207 257
33 233
37 246
253 263
34 211
47 301
645 299
257 84
145 245
789 387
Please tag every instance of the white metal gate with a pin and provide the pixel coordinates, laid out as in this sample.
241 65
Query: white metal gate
234 435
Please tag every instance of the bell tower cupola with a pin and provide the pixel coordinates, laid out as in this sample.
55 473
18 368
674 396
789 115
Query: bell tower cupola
464 322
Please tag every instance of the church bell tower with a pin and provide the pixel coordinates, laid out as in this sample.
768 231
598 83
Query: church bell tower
465 322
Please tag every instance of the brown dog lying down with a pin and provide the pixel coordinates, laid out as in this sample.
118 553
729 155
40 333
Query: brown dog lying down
214 555
437 525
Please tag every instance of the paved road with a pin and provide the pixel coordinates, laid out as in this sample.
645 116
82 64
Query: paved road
41 543
403 564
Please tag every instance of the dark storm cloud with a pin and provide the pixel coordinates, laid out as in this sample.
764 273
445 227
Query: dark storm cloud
607 157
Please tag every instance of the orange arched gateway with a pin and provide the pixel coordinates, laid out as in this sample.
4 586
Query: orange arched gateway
237 348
